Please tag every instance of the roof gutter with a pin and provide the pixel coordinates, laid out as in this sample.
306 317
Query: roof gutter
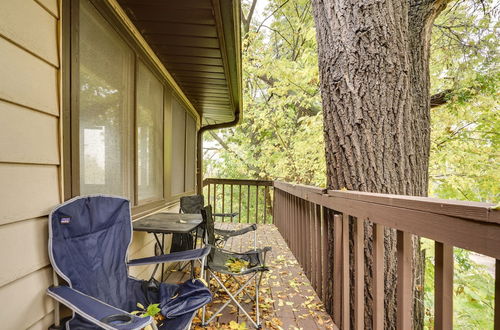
199 147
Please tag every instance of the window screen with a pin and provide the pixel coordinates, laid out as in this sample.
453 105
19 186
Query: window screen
178 147
149 135
190 153
106 76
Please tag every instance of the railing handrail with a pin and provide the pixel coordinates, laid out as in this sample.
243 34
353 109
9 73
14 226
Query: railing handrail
250 182
468 225
478 211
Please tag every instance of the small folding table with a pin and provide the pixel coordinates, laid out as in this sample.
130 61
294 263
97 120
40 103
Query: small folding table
168 223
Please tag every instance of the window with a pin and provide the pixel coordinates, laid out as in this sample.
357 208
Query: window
183 150
178 147
120 115
149 135
105 106
190 153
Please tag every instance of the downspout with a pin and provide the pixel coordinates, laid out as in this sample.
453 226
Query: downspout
199 148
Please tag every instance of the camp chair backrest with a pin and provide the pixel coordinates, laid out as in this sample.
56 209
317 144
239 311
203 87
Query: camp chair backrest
88 242
192 204
208 220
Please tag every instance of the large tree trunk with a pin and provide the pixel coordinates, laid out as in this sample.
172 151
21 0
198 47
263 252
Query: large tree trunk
374 72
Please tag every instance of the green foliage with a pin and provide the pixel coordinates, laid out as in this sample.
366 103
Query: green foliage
280 136
473 291
465 133
152 310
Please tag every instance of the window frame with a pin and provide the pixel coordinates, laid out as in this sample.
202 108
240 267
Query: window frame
71 111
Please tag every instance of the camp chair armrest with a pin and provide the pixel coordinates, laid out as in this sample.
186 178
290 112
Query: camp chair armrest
232 233
187 255
95 310
225 214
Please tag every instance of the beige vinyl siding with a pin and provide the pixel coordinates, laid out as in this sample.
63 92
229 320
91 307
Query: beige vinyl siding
26 301
16 21
42 324
34 142
31 82
22 255
30 161
27 190
29 158
51 6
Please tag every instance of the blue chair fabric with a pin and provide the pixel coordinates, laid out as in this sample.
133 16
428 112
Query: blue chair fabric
88 242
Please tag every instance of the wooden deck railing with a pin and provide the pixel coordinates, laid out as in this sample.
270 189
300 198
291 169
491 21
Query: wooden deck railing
251 199
315 224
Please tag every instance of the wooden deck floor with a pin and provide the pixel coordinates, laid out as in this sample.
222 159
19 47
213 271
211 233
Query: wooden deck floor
287 299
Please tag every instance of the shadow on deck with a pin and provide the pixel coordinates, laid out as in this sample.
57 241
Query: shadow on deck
288 300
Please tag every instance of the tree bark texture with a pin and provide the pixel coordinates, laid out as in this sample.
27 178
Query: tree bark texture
374 73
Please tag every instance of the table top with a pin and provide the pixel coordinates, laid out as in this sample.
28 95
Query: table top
168 223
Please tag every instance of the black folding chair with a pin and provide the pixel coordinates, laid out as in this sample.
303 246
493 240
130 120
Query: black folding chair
195 203
219 262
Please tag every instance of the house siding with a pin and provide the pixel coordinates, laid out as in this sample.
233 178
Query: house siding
30 161
29 157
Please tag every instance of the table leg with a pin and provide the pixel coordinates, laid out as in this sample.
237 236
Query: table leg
162 252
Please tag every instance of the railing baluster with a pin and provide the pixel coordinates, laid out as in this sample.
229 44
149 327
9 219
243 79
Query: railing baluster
223 198
359 274
215 197
312 244
303 233
257 204
239 204
443 286
248 203
324 255
337 268
497 295
208 189
378 277
266 191
317 248
231 206
404 282
345 273
307 238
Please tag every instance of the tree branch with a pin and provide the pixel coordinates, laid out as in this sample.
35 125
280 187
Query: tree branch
440 98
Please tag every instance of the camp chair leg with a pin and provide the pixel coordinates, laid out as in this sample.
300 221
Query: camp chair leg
204 274
233 298
244 291
57 314
153 325
257 284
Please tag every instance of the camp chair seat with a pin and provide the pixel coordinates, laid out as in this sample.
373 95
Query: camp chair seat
218 258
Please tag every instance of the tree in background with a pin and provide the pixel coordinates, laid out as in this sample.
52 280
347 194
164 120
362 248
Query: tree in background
465 78
375 86
281 134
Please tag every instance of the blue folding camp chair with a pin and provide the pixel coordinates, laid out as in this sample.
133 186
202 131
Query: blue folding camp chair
88 242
